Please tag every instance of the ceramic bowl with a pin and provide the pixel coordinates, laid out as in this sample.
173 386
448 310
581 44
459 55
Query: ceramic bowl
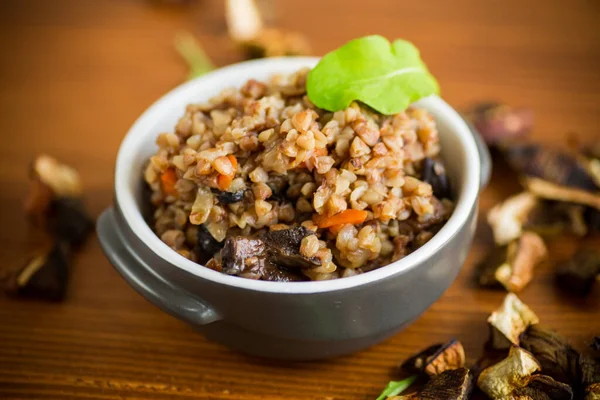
289 320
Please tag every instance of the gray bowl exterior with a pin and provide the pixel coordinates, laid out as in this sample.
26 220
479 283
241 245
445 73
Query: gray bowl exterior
285 325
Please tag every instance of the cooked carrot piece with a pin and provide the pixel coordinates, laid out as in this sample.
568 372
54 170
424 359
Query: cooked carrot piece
224 181
353 217
233 161
168 179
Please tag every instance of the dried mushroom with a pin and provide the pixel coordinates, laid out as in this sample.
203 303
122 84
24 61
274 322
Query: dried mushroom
552 191
557 358
498 123
44 276
579 274
542 387
434 173
512 266
55 201
507 218
550 218
558 168
590 377
509 322
500 380
453 384
437 359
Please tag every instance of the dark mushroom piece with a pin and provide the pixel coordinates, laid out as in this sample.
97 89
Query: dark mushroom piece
498 123
550 218
555 167
500 380
578 275
437 358
595 343
268 256
556 356
55 201
542 387
452 384
44 276
551 191
206 245
226 197
512 266
434 173
590 377
509 322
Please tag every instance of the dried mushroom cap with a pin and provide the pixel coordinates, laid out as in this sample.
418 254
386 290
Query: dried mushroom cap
44 275
559 168
434 173
552 191
437 358
454 384
579 274
512 266
499 123
62 179
507 218
557 358
500 380
550 218
510 321
590 374
542 387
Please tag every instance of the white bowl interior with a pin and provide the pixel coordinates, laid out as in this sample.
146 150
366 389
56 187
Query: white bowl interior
458 150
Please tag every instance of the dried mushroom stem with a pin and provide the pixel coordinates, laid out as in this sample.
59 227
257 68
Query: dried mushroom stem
552 191
509 322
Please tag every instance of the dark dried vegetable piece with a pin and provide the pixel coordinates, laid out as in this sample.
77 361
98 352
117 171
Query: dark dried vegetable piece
550 218
592 219
434 173
590 377
509 322
596 343
225 197
44 276
499 123
454 384
542 387
557 358
579 274
241 253
69 220
284 247
563 169
207 246
512 266
500 380
437 358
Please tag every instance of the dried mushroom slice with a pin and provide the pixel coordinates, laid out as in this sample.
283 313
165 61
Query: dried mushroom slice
498 123
500 380
454 384
557 358
550 218
509 322
579 274
44 276
437 358
559 168
552 191
542 387
512 266
507 218
590 377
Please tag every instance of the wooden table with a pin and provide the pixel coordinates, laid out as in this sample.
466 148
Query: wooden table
74 76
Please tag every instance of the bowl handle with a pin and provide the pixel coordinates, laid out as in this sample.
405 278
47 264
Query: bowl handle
144 280
485 158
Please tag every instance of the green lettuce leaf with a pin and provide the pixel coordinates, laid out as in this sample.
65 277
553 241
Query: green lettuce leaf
387 77
394 388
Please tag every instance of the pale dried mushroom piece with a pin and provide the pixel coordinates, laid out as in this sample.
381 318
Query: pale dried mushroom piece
273 42
579 274
509 322
551 191
437 358
243 19
556 356
500 380
507 218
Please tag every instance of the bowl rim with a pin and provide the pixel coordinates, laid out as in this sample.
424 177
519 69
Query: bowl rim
138 134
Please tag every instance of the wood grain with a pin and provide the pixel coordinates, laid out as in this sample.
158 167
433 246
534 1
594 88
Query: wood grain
74 76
